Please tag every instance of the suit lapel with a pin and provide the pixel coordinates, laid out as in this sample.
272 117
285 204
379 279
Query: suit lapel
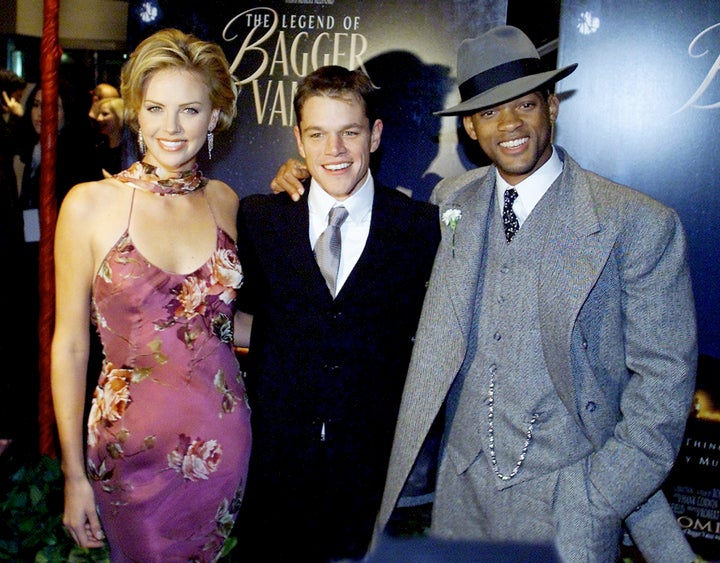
573 258
461 266
453 287
292 234
377 254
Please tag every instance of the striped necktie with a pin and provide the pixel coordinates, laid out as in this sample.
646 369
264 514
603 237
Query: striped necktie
327 248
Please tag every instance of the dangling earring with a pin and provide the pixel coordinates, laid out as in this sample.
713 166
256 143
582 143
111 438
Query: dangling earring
141 143
210 139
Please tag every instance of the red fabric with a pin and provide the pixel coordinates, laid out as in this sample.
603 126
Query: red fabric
49 69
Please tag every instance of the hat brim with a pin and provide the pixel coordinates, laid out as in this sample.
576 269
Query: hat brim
508 91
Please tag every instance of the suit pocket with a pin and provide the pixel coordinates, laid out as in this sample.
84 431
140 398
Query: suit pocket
585 520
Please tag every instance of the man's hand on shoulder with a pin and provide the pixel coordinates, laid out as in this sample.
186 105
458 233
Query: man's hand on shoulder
289 178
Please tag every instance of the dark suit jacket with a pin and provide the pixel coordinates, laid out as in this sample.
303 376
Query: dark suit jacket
314 360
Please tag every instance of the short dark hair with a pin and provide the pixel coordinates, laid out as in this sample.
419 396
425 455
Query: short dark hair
336 82
11 82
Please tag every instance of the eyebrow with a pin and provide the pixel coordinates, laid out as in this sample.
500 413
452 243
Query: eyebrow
341 128
151 101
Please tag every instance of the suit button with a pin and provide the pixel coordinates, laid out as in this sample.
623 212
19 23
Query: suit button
590 407
497 336
584 343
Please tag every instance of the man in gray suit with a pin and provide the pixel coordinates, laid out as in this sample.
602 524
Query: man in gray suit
558 336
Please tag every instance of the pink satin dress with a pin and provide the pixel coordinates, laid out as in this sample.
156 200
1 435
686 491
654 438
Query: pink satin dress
169 428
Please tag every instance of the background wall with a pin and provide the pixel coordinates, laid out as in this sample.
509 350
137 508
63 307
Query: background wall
84 24
93 39
643 108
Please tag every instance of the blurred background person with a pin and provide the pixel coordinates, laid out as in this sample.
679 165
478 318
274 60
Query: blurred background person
110 125
75 164
12 87
74 145
100 92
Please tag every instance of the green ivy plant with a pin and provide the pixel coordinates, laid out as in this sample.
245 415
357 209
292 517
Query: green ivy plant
31 519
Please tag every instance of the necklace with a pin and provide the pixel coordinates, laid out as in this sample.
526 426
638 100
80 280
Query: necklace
491 435
144 176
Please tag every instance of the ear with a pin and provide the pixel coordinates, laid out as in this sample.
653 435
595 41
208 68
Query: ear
469 126
553 107
213 120
298 140
375 134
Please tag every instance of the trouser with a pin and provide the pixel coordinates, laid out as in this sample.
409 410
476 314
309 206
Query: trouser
555 508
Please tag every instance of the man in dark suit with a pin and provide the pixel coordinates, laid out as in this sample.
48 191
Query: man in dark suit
330 346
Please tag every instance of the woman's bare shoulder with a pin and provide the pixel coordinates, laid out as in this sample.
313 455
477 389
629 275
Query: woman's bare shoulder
92 217
97 204
91 196
223 192
224 200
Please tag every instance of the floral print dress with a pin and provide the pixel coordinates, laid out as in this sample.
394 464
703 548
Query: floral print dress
169 427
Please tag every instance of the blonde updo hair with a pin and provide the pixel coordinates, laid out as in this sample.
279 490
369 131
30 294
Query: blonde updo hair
175 50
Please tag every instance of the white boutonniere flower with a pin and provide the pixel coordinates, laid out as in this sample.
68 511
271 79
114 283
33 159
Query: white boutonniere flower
451 217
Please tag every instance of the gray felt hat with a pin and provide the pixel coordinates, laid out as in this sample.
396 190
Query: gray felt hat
498 66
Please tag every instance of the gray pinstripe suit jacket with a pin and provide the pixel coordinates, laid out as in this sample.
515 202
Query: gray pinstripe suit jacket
617 326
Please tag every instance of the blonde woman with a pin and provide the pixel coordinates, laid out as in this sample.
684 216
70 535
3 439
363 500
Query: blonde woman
150 255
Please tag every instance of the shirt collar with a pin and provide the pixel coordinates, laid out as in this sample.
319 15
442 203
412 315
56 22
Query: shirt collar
532 188
359 204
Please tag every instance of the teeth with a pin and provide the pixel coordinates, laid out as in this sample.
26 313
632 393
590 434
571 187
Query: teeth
171 144
514 143
335 167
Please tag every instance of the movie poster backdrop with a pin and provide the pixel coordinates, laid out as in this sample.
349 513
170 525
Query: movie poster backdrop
407 47
643 108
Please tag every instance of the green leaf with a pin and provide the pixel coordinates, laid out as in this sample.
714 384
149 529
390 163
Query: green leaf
36 495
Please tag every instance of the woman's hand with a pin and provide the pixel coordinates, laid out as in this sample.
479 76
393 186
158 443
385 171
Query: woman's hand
80 517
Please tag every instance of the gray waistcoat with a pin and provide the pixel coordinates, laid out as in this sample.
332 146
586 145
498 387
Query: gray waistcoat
505 345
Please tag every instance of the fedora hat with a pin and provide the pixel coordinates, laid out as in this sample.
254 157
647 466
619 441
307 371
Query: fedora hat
498 66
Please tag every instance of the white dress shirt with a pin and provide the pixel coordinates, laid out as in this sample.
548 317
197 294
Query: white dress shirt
353 232
531 189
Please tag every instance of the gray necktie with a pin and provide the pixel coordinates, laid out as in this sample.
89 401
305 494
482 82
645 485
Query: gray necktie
327 247
510 220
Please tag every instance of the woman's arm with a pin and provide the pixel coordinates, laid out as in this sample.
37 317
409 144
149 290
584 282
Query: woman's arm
74 270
